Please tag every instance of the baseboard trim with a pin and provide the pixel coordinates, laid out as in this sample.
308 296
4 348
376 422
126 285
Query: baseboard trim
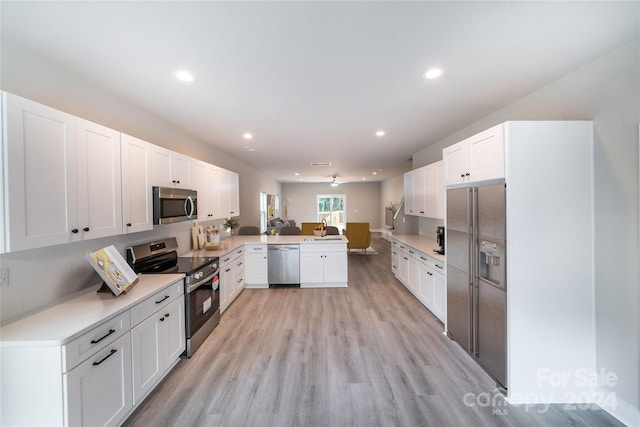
622 410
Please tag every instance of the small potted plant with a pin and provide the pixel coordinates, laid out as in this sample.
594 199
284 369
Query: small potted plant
230 224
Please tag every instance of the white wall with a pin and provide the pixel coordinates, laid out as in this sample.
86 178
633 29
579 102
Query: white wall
606 91
363 201
43 276
392 190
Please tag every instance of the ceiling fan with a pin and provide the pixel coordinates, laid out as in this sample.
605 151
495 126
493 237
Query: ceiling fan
335 183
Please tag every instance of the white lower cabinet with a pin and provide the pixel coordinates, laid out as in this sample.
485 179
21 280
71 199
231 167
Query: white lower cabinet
256 267
98 377
231 276
422 275
157 343
99 389
323 265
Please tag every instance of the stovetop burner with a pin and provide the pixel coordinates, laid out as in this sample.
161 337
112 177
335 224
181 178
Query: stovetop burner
189 265
162 257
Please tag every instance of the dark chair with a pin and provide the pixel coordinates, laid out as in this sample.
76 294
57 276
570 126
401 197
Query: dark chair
289 230
248 230
332 231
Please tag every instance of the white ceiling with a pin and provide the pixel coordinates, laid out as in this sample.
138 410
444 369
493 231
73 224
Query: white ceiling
313 81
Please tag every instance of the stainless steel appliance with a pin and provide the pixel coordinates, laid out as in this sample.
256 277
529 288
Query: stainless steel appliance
172 205
201 285
476 274
283 263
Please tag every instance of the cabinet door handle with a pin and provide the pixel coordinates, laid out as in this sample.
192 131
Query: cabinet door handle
162 319
461 175
165 297
466 174
75 230
113 351
128 224
100 339
167 315
85 229
439 266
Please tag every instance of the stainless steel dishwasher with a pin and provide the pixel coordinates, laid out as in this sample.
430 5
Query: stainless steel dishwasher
284 264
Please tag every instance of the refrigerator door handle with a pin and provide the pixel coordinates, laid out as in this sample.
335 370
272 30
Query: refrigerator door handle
474 270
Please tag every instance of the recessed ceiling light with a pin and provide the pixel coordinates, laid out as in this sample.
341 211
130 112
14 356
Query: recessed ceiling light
184 76
247 135
296 174
364 179
374 173
380 133
433 73
249 148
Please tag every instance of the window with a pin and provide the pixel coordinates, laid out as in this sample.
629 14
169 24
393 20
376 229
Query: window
332 208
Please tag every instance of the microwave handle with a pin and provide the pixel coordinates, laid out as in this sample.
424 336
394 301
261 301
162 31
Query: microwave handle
189 212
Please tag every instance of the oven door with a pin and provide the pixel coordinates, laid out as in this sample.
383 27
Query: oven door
203 302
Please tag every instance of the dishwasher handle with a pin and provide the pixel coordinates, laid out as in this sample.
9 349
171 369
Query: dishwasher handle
283 248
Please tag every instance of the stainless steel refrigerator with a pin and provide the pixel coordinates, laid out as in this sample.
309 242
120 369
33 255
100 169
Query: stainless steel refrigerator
476 274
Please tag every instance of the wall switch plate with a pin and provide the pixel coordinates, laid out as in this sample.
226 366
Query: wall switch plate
4 277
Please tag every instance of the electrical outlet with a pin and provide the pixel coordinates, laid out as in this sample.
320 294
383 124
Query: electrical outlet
4 277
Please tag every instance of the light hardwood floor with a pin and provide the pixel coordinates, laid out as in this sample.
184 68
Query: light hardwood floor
366 355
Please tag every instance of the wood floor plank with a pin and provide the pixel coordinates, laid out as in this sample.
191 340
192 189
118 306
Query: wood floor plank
366 355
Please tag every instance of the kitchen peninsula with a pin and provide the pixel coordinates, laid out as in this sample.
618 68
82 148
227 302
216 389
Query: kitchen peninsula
244 262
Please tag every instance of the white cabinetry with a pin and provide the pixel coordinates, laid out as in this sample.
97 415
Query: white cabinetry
409 193
256 268
229 193
475 159
422 275
99 389
205 180
158 339
323 265
63 177
137 173
424 191
231 277
171 169
75 363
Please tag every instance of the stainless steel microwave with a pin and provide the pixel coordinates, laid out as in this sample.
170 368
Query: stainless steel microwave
172 205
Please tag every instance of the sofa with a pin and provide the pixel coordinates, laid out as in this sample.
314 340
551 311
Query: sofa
278 223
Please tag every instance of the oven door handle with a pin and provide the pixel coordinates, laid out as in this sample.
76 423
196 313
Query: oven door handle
200 282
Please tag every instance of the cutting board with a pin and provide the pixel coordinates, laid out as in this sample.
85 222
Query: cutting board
196 230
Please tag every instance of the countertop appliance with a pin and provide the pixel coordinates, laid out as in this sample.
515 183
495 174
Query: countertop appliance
440 240
201 285
476 274
283 261
172 205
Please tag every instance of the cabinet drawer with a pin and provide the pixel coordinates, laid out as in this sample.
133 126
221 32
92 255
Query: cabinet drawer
93 341
438 266
323 247
155 302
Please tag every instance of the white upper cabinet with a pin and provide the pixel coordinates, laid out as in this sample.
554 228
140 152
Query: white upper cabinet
234 194
424 191
475 159
40 176
137 197
99 185
171 169
409 193
63 178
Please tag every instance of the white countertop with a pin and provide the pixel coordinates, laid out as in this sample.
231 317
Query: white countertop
420 243
231 244
66 321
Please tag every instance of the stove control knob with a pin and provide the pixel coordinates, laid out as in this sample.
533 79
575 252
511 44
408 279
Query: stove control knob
198 275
